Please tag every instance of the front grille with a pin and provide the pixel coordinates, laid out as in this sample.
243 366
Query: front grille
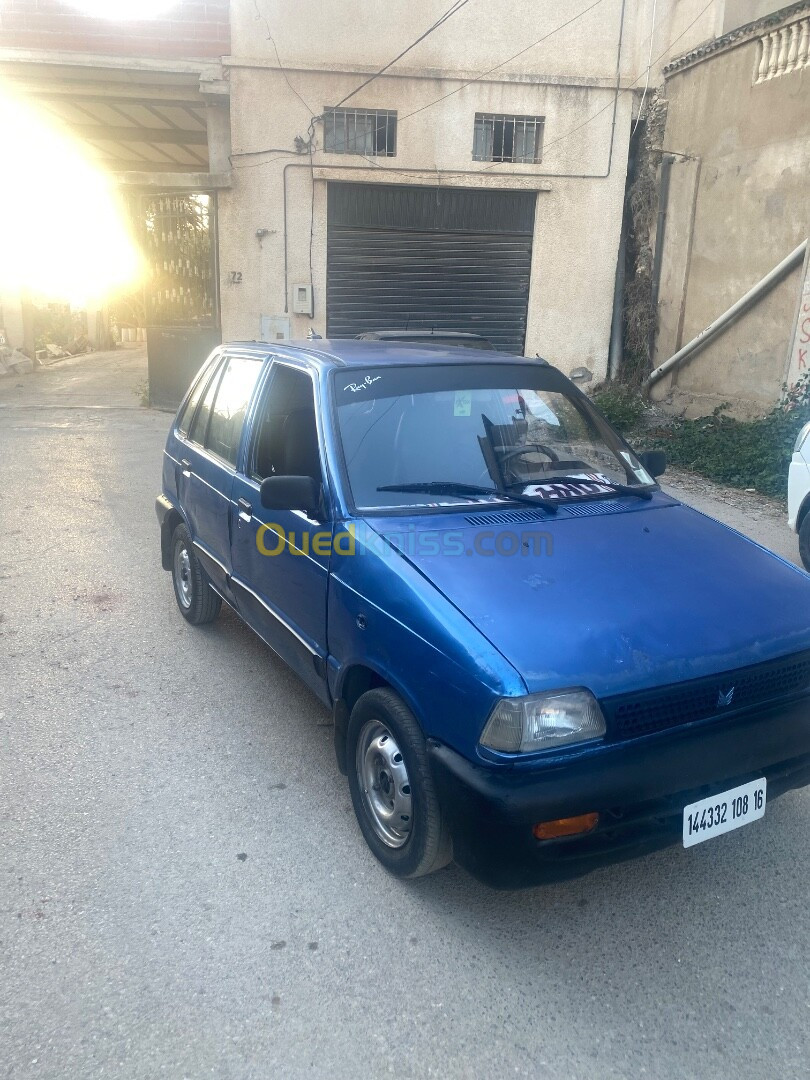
586 508
506 517
602 506
630 715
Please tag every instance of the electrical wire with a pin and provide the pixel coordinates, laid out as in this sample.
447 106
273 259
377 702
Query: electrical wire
451 11
623 90
503 63
649 65
447 15
272 40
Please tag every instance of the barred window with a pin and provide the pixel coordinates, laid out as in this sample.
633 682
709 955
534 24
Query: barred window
499 137
372 132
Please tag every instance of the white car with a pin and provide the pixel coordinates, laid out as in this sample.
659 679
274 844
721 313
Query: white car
799 493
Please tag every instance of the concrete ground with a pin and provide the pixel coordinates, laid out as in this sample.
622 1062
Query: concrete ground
184 891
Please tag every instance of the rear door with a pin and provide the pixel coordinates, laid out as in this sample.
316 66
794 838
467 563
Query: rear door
209 461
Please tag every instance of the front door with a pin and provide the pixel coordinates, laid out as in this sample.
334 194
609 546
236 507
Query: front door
280 558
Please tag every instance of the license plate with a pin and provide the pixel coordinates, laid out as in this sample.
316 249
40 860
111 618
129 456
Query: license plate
723 812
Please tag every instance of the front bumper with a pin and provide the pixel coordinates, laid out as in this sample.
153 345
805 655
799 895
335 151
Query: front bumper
638 788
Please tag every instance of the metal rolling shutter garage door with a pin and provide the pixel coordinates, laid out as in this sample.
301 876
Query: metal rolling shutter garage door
429 258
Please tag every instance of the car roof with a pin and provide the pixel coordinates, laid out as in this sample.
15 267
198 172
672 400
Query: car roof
349 353
407 335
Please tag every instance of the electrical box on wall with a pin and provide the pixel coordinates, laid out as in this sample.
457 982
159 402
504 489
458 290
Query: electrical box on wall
275 328
302 300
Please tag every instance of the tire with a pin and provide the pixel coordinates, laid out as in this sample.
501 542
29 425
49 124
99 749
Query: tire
196 599
804 541
392 789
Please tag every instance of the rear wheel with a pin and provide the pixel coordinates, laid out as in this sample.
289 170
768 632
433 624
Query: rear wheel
804 541
391 786
196 599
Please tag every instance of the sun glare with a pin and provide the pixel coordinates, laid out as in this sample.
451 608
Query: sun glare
123 9
62 233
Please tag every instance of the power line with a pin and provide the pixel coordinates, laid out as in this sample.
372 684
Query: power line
624 89
503 63
439 22
649 65
554 142
272 40
451 11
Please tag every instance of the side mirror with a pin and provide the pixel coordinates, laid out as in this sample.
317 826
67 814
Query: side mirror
291 493
654 461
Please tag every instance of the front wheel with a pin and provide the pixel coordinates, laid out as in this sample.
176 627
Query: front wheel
196 599
391 786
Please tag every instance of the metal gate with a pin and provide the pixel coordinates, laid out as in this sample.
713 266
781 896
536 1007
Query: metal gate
176 232
429 258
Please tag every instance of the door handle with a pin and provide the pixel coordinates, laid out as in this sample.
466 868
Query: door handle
186 466
245 509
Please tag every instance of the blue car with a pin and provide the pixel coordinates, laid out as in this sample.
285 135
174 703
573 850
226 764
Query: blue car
536 660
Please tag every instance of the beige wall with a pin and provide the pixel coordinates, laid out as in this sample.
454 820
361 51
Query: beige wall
365 34
577 220
747 188
327 48
739 12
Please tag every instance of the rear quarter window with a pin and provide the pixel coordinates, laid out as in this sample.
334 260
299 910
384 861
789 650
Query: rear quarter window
186 415
228 414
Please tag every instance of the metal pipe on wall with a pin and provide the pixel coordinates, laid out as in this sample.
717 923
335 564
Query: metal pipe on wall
759 290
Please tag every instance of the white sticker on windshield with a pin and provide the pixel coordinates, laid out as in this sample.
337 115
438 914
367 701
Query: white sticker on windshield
462 404
354 387
578 485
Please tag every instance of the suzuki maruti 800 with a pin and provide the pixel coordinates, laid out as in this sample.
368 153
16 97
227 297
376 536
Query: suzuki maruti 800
536 660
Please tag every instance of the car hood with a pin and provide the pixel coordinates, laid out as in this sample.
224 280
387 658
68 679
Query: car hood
617 601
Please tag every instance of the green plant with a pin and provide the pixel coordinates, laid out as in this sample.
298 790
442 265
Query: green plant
743 453
622 405
142 391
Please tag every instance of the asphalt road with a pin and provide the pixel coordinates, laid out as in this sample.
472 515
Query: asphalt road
184 891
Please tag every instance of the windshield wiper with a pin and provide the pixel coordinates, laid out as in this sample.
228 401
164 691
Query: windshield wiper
451 488
642 492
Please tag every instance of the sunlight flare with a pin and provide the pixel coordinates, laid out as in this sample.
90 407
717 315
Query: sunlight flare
63 234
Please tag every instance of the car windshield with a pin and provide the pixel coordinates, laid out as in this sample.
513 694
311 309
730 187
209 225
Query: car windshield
504 429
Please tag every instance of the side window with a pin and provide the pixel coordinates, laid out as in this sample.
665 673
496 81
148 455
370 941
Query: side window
199 424
286 435
187 415
228 414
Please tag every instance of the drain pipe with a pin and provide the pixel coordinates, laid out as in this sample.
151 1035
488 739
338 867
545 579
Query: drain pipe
658 258
793 260
616 351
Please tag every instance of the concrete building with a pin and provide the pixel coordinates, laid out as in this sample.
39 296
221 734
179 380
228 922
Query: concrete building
477 184
738 204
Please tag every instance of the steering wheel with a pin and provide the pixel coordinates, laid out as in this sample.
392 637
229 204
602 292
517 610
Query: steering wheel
528 448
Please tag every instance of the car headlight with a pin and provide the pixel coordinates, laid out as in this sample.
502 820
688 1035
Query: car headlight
543 721
801 437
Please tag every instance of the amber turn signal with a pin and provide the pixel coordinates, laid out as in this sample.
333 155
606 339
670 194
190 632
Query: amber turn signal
565 826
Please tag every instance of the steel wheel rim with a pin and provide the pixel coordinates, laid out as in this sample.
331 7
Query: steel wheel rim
182 575
384 784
